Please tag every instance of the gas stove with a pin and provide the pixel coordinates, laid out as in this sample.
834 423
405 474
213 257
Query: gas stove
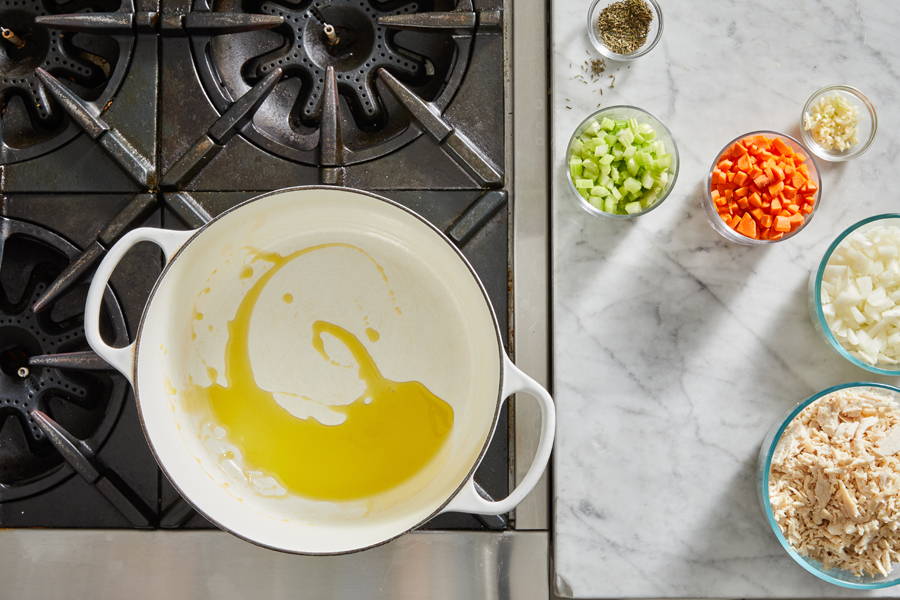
115 115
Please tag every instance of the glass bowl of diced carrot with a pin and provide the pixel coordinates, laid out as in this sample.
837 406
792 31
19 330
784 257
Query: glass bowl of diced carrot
762 188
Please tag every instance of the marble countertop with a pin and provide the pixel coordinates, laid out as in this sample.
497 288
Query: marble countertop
674 350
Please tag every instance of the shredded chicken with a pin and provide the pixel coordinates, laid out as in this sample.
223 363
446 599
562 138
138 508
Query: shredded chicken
835 482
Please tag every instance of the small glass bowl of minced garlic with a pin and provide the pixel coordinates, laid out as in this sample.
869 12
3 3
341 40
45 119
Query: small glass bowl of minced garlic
838 123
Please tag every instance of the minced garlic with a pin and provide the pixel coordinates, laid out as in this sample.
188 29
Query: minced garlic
832 122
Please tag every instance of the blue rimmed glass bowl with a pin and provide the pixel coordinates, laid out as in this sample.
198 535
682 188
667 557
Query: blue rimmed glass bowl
815 296
764 467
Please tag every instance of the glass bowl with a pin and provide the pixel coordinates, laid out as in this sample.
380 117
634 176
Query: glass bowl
764 466
815 297
622 112
868 123
653 34
730 234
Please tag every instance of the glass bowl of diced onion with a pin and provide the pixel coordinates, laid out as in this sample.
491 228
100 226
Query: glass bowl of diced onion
855 294
765 459
838 123
643 146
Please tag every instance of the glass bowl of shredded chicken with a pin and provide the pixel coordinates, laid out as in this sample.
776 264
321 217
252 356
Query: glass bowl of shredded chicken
838 123
829 484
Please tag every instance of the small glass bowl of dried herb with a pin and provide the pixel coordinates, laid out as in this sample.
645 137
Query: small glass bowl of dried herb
623 30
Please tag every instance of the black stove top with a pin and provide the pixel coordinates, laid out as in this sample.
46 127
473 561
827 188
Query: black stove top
117 115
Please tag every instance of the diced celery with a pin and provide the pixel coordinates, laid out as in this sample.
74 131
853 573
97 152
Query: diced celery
619 165
633 207
631 185
632 166
577 147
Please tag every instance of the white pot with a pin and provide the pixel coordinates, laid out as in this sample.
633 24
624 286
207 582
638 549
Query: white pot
437 328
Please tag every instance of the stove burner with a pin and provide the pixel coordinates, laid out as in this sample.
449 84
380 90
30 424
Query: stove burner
93 65
343 35
87 404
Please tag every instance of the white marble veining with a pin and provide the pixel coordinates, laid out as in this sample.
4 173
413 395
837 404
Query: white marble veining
674 350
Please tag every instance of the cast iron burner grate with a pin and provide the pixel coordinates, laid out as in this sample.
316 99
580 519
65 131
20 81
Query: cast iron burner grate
86 404
93 66
349 37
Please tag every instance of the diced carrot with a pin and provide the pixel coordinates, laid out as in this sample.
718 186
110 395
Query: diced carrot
796 219
776 188
755 200
725 165
740 177
741 192
799 158
781 148
776 236
747 226
810 187
793 208
729 193
789 191
743 162
743 203
766 221
798 180
758 214
779 174
806 209
775 206
761 181
730 176
718 177
782 224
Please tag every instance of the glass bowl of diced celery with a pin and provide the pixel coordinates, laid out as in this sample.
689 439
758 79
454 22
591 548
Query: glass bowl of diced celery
621 162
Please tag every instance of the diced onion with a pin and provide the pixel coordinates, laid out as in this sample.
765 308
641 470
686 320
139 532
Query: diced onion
860 294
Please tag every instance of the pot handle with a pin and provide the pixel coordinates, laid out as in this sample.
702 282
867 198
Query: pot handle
468 500
122 359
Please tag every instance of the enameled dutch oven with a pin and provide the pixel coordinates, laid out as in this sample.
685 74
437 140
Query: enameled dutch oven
436 326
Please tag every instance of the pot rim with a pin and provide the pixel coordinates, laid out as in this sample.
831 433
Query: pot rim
442 236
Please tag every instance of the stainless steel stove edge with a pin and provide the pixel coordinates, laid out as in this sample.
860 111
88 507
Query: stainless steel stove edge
141 565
